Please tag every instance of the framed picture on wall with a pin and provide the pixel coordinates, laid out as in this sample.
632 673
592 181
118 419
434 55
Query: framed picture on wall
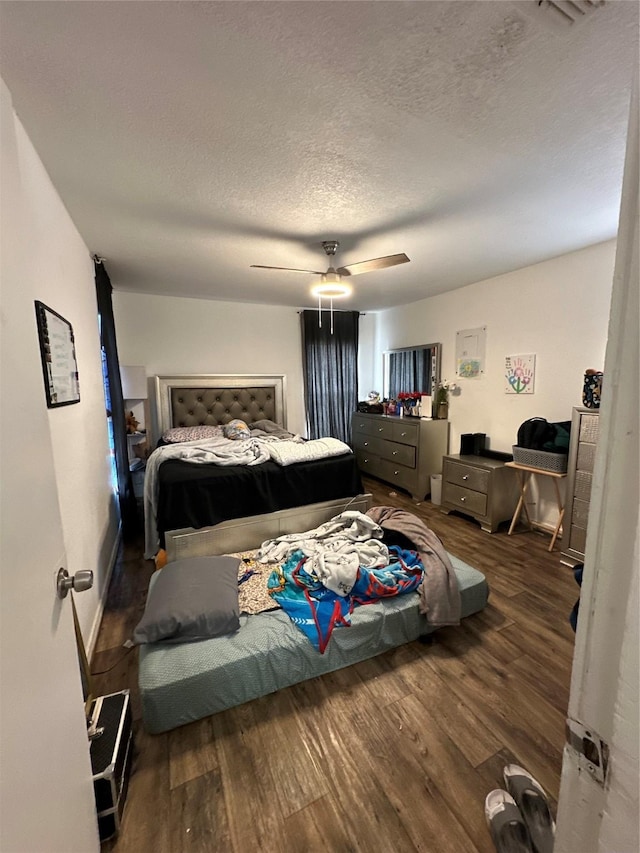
58 355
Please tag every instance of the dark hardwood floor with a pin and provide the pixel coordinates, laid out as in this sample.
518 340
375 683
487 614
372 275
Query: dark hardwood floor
393 754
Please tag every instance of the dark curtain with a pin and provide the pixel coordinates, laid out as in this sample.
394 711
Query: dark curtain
330 367
128 506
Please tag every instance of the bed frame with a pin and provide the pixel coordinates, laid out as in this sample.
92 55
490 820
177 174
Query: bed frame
192 400
243 534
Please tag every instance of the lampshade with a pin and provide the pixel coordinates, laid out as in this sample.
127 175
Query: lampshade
134 382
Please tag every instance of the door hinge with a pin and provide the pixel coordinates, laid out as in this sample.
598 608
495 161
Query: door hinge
593 752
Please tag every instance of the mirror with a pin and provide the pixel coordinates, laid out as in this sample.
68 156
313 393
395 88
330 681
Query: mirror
411 369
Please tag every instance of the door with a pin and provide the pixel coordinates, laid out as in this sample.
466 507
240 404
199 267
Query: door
46 791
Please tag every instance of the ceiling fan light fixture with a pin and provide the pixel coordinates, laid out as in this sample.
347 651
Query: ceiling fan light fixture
331 286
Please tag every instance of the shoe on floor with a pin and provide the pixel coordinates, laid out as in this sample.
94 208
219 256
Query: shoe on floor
534 806
506 824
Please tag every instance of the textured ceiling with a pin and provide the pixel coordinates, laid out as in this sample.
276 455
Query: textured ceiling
189 140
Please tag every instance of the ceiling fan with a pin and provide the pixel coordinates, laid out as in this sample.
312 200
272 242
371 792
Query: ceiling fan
331 285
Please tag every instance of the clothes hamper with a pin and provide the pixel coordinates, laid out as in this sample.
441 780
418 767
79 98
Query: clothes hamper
111 752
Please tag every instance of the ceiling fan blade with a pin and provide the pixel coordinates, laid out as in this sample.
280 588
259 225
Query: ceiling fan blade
374 264
286 269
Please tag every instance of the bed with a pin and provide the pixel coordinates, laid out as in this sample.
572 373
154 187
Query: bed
194 497
183 682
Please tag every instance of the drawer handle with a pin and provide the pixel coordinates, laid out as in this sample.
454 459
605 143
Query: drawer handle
395 453
366 444
366 460
462 500
380 429
465 477
402 434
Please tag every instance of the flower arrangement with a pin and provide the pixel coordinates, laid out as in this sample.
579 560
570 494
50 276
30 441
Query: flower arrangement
442 394
407 396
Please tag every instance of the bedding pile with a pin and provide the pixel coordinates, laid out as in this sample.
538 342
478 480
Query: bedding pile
322 574
316 610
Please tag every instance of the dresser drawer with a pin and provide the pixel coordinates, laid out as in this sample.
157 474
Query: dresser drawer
580 514
369 444
368 463
586 457
578 539
402 454
582 485
405 432
399 475
467 476
589 428
362 426
465 499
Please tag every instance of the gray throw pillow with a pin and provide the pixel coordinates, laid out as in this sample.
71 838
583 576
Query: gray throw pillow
191 599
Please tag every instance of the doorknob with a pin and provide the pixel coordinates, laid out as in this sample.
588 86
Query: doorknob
79 582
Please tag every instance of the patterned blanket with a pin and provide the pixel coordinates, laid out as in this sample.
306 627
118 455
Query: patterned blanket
316 610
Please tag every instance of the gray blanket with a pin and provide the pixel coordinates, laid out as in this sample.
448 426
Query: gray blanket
439 593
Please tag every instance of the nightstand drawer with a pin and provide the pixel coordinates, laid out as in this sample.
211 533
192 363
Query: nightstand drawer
467 476
466 499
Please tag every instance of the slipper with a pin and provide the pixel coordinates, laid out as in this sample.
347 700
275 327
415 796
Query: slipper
534 806
508 829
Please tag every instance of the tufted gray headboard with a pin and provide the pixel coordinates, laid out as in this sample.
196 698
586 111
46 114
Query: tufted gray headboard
214 400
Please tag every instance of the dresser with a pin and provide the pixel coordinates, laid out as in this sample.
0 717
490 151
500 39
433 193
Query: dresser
401 451
480 487
585 425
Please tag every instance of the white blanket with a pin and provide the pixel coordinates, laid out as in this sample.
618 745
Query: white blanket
335 549
289 452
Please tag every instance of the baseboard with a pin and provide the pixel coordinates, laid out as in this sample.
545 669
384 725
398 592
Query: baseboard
97 619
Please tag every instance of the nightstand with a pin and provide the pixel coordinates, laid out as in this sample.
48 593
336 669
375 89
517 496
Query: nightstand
480 487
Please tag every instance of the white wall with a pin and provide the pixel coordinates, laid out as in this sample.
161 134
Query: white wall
172 335
62 272
557 309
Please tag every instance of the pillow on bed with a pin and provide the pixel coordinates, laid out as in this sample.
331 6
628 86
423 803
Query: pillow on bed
236 429
191 599
192 433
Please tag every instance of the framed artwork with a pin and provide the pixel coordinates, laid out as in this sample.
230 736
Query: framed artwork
470 352
58 355
520 374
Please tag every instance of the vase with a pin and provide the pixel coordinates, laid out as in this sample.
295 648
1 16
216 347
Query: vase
442 412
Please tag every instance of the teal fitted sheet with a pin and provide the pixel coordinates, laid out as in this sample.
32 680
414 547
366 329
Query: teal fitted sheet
185 682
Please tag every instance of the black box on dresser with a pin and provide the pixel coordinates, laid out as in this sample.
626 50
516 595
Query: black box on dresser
111 748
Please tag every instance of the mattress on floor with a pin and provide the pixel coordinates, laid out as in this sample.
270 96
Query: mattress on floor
185 682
